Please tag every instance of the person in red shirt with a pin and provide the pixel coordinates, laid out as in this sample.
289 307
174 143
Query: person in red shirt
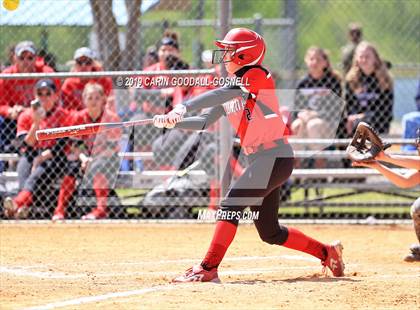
16 94
253 111
72 88
97 157
40 162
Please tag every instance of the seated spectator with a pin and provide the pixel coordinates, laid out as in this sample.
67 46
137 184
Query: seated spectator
411 123
369 91
318 98
15 94
72 88
40 162
97 156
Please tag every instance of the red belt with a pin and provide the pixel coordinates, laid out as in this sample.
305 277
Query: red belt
248 150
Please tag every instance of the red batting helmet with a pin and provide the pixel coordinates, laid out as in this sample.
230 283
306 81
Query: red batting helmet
246 46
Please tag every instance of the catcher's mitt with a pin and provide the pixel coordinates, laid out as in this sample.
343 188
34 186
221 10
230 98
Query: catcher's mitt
366 144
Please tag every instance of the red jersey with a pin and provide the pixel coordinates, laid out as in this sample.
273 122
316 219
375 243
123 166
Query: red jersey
14 92
72 90
58 117
103 142
256 116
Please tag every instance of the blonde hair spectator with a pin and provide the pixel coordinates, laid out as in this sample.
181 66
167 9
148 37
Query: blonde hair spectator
380 69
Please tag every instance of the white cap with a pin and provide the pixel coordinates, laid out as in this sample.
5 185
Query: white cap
83 52
25 46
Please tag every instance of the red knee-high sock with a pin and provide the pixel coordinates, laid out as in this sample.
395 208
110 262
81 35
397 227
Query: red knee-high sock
222 238
67 188
24 198
299 241
100 186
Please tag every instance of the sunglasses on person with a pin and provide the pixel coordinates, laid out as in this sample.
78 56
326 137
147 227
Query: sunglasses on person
44 94
84 62
30 58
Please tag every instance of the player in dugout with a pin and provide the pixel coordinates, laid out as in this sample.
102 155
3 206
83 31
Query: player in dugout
95 156
253 111
40 162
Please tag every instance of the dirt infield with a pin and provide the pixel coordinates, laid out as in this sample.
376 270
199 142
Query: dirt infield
128 266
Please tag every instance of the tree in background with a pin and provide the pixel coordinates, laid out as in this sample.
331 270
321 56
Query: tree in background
106 27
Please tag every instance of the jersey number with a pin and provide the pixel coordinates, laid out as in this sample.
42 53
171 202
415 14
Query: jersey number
248 114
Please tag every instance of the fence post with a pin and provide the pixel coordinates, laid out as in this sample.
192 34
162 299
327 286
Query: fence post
225 133
288 44
197 44
258 23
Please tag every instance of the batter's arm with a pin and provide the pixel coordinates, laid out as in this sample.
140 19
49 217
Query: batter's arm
212 98
202 121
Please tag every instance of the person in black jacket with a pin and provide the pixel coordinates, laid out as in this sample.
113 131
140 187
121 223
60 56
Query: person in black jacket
369 91
318 102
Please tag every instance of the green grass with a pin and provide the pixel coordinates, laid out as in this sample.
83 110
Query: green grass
298 195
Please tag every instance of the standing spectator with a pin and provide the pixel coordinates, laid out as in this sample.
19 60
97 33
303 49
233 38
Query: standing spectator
355 36
317 98
99 161
411 122
168 46
73 87
152 98
369 91
41 162
15 94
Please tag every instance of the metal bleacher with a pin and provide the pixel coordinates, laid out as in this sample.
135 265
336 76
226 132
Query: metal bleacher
354 180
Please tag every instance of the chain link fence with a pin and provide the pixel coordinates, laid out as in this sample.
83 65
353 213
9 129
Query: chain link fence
335 63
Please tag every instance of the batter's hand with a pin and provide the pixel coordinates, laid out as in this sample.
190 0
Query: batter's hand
169 120
161 121
177 114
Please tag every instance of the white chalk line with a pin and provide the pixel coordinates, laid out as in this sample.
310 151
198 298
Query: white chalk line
90 299
159 288
38 274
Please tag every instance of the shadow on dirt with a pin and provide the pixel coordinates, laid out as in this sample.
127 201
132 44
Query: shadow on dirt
310 278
